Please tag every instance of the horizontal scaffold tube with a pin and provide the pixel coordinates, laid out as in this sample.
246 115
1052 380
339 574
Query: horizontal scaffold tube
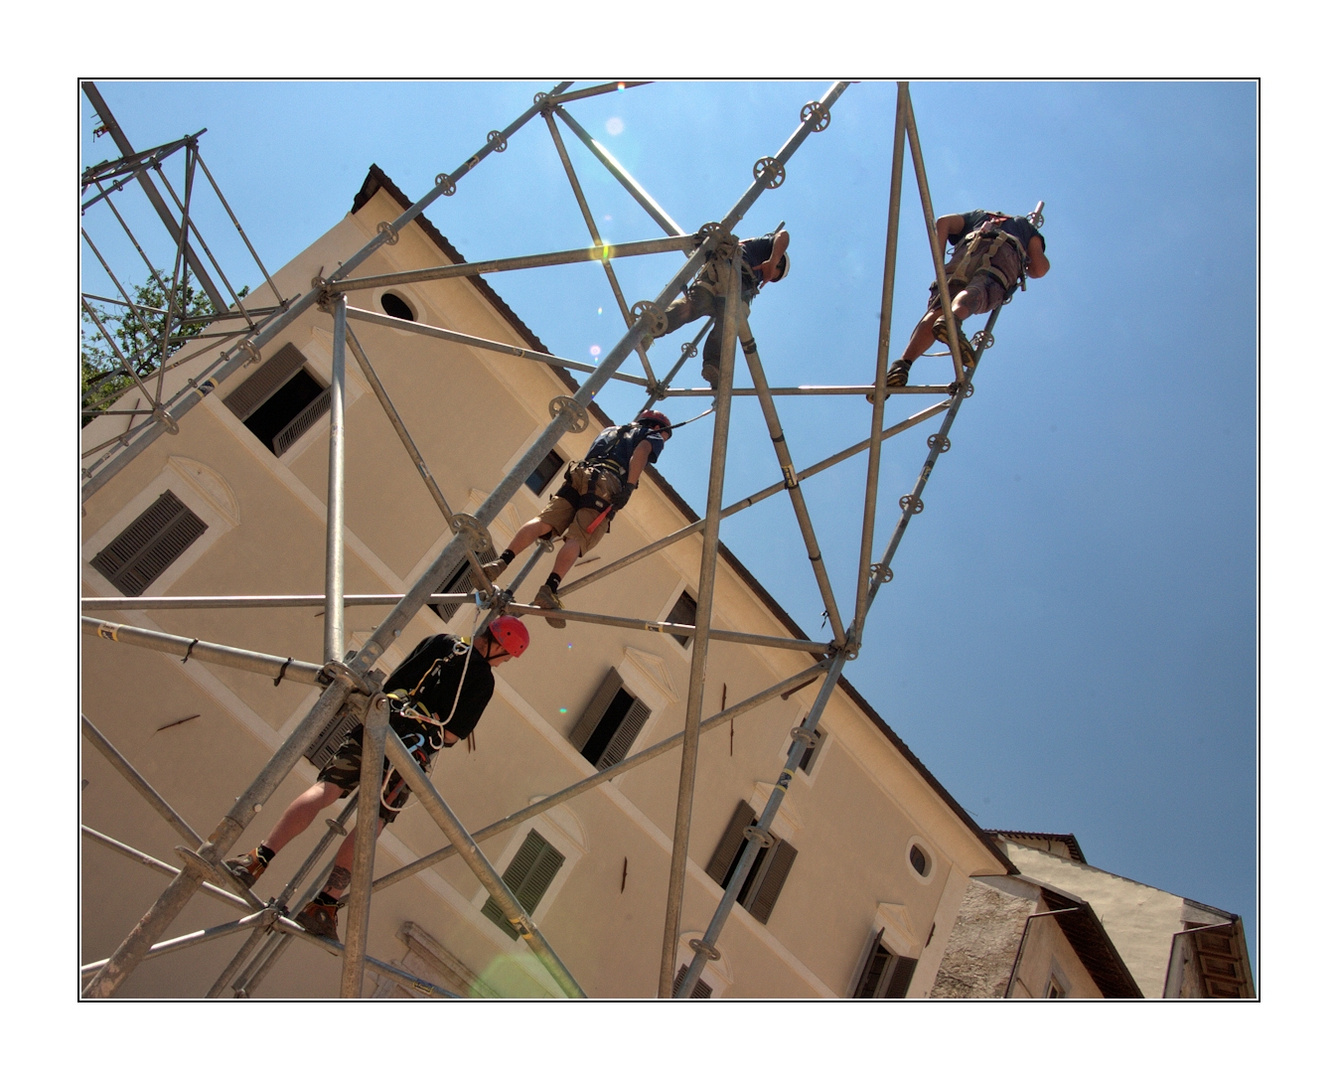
192 648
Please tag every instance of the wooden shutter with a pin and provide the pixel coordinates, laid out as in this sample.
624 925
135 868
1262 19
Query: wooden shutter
149 545
871 968
782 858
901 977
531 872
626 734
730 843
271 375
703 989
594 712
461 579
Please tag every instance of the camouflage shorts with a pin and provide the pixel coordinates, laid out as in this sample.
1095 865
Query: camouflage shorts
344 770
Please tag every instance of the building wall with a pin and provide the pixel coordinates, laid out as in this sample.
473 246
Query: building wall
1141 920
472 413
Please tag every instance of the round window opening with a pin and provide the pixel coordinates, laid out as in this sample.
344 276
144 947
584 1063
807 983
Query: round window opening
919 860
396 307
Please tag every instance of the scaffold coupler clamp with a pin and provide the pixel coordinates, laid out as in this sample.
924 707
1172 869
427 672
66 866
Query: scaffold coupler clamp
702 948
572 413
880 573
657 323
804 736
476 536
524 926
762 836
336 672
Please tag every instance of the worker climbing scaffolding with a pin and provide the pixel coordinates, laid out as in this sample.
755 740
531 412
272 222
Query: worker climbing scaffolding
764 260
593 491
436 699
993 254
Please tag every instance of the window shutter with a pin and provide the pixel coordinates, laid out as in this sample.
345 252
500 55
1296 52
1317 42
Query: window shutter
462 580
531 872
594 712
149 545
271 375
300 424
901 977
730 843
703 989
321 749
871 967
768 892
626 734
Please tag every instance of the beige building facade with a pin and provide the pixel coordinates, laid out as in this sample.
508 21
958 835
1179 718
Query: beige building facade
872 860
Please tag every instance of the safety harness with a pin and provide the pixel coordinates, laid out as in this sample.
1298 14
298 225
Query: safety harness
978 249
406 704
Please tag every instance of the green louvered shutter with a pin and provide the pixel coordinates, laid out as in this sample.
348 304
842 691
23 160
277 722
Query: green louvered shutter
531 872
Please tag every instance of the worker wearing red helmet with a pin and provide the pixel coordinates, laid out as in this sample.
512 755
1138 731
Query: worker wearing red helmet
593 491
436 699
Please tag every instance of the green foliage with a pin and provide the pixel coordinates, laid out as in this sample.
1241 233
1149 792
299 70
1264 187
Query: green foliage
145 336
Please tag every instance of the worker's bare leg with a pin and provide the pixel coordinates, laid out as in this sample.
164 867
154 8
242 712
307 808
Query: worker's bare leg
301 813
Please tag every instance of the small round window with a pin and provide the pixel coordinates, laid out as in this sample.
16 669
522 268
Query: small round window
396 307
919 860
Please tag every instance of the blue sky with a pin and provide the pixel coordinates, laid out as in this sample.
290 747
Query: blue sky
1069 643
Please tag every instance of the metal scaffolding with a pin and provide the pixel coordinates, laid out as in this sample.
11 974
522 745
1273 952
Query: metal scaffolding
349 683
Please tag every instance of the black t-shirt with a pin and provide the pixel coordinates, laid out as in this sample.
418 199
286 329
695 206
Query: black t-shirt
756 251
618 444
432 674
1019 227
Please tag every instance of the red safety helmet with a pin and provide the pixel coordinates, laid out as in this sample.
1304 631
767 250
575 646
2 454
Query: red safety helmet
510 633
650 416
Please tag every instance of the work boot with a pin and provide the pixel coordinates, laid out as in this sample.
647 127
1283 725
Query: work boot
494 569
711 373
546 598
319 919
248 868
897 375
941 334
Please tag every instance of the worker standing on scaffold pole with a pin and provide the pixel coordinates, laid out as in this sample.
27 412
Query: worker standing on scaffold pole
436 699
764 260
992 254
592 492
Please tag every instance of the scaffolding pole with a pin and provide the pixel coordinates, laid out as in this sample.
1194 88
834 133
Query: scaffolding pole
797 503
341 682
715 487
863 568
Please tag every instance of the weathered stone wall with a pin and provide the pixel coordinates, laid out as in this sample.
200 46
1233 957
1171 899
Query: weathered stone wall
984 942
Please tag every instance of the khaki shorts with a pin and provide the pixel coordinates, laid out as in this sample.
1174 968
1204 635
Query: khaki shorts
988 292
562 515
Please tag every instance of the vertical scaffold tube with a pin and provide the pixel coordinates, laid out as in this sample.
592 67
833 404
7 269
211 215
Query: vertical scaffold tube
700 635
334 502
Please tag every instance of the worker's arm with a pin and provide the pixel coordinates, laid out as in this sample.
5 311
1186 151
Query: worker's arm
948 225
1037 264
779 242
639 458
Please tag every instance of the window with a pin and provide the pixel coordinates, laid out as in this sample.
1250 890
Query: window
397 307
684 613
919 860
461 580
149 545
884 974
548 468
322 748
610 723
811 752
528 877
762 886
281 401
703 989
